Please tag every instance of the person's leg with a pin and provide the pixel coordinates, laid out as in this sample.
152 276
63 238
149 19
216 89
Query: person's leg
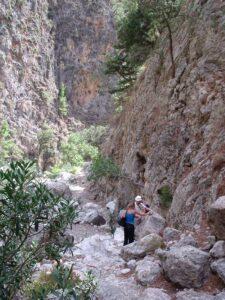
131 236
126 235
130 232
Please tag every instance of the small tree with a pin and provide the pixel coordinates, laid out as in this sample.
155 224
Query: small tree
27 209
163 13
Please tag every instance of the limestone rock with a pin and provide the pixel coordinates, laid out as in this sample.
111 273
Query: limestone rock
218 266
154 294
220 296
94 217
132 264
192 295
147 271
59 188
218 250
171 234
133 251
217 217
150 224
151 242
186 240
186 266
140 249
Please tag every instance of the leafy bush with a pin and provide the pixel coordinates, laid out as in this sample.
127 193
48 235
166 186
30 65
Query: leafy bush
63 102
8 148
94 134
62 283
80 147
165 196
103 167
27 209
47 147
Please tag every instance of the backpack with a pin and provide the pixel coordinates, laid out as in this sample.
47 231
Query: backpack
121 220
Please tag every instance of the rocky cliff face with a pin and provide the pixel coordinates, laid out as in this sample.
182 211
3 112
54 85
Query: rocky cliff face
172 131
42 45
84 34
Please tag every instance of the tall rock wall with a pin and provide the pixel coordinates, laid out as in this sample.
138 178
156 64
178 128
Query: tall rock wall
42 45
85 33
172 131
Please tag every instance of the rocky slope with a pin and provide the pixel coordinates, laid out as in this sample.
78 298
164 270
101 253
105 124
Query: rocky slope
171 133
42 45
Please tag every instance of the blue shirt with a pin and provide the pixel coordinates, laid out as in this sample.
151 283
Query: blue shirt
129 218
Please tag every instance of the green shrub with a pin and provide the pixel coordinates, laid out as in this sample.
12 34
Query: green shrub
8 148
103 167
63 102
80 147
47 147
94 134
27 208
62 283
165 196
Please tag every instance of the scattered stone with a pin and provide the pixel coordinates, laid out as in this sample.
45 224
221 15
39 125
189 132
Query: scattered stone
186 266
218 266
131 264
151 224
171 234
218 250
124 271
217 217
154 294
192 295
147 271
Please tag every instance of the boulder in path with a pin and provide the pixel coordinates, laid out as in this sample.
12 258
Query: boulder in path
218 250
154 294
192 295
93 217
150 224
218 266
132 251
59 188
151 242
140 249
147 271
217 217
186 266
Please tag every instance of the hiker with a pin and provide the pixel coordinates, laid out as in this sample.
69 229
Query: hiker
130 215
141 206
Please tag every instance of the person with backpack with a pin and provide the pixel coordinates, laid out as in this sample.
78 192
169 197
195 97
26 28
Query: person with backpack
129 217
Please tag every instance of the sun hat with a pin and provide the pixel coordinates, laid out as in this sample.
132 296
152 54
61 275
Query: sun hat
138 199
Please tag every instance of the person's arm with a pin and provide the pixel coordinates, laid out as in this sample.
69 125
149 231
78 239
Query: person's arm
140 214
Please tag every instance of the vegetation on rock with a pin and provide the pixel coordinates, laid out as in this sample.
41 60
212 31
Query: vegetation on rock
62 282
139 26
8 148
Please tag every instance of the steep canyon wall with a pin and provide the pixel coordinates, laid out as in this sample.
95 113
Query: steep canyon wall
172 131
